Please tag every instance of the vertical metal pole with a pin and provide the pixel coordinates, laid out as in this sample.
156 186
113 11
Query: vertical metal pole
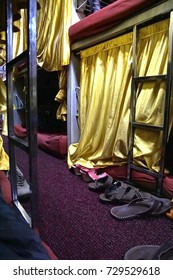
132 104
10 115
168 97
32 110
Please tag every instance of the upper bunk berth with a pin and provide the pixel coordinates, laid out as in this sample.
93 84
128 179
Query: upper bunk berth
112 20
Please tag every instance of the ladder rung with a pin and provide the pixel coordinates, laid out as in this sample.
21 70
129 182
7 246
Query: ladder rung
150 78
147 126
145 170
21 143
18 59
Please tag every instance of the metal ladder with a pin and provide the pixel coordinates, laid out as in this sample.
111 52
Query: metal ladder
29 144
164 128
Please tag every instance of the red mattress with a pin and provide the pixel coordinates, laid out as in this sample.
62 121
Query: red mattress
107 17
54 143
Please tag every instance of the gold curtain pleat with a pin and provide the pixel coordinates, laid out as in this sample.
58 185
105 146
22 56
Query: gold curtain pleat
104 106
3 105
20 38
2 48
152 57
62 95
54 20
53 45
4 160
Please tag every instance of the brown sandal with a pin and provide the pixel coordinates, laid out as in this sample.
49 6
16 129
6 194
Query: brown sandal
123 192
141 207
101 183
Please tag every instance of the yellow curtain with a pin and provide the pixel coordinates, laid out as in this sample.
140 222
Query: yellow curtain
53 45
105 85
152 57
3 105
54 20
62 95
4 160
104 108
20 38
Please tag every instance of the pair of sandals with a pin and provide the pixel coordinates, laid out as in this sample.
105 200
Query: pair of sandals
136 203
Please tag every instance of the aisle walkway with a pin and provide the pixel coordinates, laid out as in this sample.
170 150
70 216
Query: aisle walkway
77 226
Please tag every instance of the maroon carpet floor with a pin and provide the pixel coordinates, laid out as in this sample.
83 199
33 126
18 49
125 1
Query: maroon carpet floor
76 225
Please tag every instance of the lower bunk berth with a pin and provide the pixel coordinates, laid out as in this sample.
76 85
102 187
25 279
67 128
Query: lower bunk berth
122 54
18 241
52 143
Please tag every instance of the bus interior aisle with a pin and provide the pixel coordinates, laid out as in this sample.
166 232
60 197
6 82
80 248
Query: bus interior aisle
76 225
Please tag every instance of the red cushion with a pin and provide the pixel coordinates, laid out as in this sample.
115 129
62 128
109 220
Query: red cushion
54 143
20 131
120 173
168 185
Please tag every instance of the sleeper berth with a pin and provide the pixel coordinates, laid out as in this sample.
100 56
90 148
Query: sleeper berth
106 39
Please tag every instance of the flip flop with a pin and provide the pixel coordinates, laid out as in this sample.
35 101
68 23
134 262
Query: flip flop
123 192
101 183
151 252
141 207
163 207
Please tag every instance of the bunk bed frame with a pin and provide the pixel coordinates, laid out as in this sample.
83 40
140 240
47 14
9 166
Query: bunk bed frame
22 221
29 144
154 13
